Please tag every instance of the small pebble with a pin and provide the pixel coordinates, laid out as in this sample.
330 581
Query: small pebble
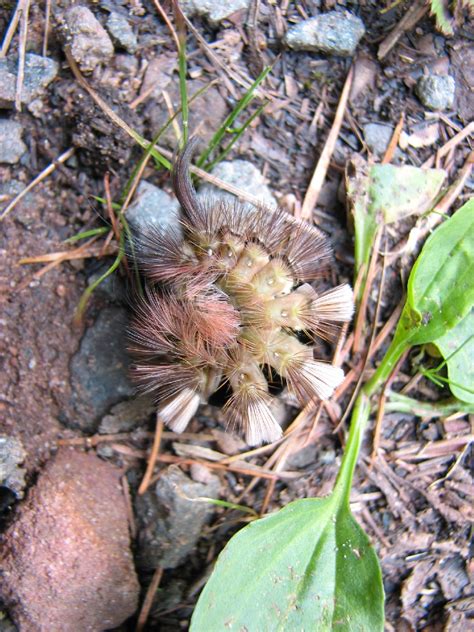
12 454
153 207
377 136
213 10
243 175
89 42
436 91
38 74
335 32
12 147
121 32
170 523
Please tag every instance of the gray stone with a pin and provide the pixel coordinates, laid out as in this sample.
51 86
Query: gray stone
89 42
335 32
377 137
302 457
99 370
12 147
38 74
169 523
121 32
12 454
127 415
152 207
436 91
111 289
242 174
213 10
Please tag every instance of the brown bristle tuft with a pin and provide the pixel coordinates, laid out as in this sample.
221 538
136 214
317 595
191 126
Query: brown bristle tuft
227 296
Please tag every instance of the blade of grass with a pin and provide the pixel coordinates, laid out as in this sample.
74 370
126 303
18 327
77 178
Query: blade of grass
89 290
237 134
182 70
228 122
87 233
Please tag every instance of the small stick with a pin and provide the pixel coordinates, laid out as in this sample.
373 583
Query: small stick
247 471
110 210
372 336
153 457
65 255
128 502
356 347
148 601
47 19
314 189
62 158
21 54
12 28
394 141
455 189
166 20
90 442
452 142
142 97
381 410
171 112
411 17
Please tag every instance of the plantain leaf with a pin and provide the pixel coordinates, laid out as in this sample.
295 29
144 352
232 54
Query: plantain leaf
444 20
457 348
440 289
381 194
307 567
398 192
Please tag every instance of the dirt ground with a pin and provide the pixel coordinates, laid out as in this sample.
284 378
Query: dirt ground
415 498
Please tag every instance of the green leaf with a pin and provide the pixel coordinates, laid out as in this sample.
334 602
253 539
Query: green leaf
398 192
457 348
383 194
440 289
439 8
307 567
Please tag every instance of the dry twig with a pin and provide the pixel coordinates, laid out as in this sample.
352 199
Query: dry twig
314 189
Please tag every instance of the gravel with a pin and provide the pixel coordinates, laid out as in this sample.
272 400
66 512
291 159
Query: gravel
12 454
377 136
152 207
12 147
213 10
66 557
121 32
335 32
126 416
436 91
88 40
99 370
242 174
38 74
169 523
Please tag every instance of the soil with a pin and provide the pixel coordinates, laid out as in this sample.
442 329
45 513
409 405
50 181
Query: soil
416 509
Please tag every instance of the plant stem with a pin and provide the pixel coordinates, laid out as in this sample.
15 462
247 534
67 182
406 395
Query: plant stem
361 414
403 404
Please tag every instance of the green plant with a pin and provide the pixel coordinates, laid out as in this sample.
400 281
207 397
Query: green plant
448 14
310 565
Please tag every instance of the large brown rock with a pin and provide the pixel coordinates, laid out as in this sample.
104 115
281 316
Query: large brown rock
67 564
